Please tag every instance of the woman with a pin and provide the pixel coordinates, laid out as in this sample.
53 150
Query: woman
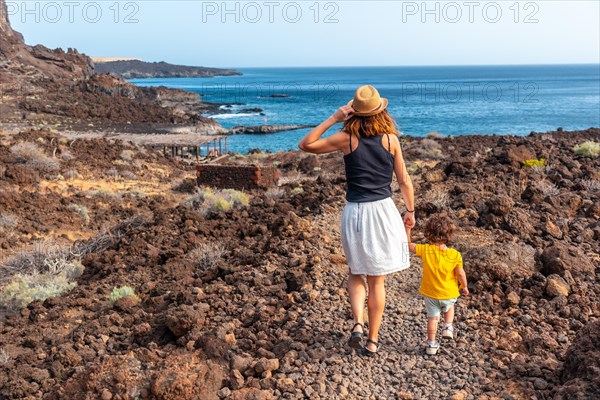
373 234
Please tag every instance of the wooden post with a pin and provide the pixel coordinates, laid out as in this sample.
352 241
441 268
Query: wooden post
197 151
220 151
226 149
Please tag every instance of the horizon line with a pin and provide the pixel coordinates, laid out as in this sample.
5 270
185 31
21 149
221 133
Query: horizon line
410 65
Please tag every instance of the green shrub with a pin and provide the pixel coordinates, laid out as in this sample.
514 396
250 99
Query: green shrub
587 149
209 200
220 204
24 289
237 198
121 292
541 163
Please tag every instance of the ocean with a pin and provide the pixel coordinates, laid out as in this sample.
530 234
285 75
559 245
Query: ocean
451 100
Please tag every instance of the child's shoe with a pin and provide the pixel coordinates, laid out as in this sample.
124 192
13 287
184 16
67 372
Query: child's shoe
432 347
448 331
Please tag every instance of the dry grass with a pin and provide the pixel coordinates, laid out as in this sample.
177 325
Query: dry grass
428 149
548 188
108 237
34 157
439 197
128 175
591 185
4 356
82 211
207 255
8 220
127 155
274 193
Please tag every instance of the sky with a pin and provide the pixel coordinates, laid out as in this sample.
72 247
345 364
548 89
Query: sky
237 34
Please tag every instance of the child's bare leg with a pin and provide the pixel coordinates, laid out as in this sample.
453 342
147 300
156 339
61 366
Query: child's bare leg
432 324
449 316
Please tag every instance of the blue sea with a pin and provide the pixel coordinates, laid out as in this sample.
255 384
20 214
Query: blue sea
451 100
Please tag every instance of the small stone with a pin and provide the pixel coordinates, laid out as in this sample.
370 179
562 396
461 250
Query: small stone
286 385
224 393
404 396
342 391
540 384
230 339
236 379
240 363
265 364
551 229
557 286
462 395
106 394
512 299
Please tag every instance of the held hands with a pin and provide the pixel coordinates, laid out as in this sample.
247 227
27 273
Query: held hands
342 114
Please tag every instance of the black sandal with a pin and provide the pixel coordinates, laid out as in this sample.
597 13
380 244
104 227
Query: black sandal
365 350
355 340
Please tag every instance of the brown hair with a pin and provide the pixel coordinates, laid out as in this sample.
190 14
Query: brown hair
439 229
371 126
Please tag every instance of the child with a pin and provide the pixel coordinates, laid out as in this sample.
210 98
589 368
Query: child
442 271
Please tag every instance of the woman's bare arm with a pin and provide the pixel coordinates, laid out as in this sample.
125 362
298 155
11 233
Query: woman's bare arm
312 142
405 183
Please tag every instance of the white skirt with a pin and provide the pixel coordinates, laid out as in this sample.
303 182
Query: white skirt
373 238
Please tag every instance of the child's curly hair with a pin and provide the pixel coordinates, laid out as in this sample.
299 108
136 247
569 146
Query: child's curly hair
439 229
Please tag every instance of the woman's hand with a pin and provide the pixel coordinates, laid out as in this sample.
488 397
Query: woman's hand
343 113
409 220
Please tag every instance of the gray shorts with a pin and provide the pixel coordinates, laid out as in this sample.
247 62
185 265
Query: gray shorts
434 307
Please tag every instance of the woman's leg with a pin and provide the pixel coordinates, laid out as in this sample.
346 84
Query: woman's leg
357 291
375 304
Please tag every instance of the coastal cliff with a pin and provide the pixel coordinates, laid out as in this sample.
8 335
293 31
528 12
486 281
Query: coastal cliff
58 87
129 69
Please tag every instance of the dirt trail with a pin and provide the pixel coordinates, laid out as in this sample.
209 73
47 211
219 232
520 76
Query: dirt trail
401 369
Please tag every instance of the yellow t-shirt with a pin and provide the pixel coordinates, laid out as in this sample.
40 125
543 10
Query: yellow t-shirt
439 281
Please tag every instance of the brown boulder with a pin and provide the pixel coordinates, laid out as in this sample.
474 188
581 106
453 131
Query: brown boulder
183 319
557 286
516 155
560 257
502 262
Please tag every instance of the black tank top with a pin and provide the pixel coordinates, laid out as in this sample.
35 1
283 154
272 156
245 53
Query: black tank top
369 170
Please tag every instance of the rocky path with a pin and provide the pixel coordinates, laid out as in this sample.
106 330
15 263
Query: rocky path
401 369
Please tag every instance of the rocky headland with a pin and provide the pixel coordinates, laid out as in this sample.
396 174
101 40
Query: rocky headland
54 88
129 69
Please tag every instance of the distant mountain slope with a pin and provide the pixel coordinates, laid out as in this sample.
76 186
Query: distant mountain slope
54 86
140 69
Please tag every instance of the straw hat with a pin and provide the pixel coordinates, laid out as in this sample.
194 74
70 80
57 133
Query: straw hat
367 102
